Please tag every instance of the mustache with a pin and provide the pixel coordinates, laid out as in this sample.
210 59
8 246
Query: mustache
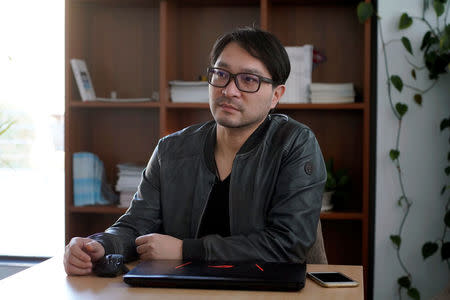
225 100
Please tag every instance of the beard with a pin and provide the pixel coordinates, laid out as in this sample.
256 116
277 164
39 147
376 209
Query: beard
241 119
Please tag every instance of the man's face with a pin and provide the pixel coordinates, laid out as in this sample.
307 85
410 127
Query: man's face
233 108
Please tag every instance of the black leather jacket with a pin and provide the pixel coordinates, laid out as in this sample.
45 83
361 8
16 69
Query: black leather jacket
275 194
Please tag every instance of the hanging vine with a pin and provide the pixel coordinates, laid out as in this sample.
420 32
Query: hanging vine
436 55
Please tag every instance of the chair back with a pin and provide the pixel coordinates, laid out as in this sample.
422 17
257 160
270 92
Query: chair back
317 254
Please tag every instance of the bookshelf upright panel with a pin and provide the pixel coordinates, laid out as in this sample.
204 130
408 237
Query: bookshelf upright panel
119 40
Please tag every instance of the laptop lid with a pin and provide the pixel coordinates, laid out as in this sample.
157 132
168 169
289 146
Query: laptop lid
218 275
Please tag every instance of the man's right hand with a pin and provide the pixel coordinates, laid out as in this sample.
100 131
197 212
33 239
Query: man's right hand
80 254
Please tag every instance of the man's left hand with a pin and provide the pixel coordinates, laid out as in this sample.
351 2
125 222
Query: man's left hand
159 246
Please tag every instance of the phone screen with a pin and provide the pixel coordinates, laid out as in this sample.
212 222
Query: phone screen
331 277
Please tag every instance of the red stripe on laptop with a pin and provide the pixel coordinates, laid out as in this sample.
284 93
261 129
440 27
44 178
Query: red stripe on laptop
259 267
183 265
222 266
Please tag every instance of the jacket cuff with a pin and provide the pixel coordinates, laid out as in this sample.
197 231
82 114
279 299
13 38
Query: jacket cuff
106 242
193 249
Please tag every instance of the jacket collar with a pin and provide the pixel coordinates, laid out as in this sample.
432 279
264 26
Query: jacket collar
253 140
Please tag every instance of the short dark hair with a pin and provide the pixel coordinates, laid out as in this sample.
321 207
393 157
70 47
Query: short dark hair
261 45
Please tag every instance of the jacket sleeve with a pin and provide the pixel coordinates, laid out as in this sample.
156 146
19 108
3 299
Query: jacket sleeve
142 217
291 223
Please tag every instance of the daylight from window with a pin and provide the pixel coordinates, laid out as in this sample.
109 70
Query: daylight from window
31 111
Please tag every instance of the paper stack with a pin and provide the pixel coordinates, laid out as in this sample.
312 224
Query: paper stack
128 182
89 181
189 91
301 59
332 93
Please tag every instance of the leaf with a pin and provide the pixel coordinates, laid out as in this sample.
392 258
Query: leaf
414 293
405 21
343 181
413 74
425 40
397 240
447 170
445 251
418 99
394 154
443 190
448 156
445 123
407 44
404 282
401 108
5 126
364 11
397 82
447 218
444 42
439 7
329 165
429 249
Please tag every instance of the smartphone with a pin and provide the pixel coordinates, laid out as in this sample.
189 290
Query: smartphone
332 279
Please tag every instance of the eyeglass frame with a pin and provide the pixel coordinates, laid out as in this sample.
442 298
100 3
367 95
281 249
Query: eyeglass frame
233 76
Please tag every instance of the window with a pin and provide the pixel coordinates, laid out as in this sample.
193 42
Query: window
31 150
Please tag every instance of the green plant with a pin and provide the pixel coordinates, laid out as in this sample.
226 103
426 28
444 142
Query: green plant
4 126
338 181
435 48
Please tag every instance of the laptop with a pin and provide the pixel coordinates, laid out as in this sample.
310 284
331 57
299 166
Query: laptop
218 275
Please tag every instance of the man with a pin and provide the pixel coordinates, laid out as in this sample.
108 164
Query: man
246 186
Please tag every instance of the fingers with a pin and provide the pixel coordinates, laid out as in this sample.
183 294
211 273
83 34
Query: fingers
75 266
73 270
76 260
95 250
142 239
78 252
145 246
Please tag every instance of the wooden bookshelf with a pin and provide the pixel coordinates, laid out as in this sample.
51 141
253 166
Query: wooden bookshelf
136 47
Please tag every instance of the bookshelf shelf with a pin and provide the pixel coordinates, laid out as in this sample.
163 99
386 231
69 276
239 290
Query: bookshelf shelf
333 215
100 104
107 209
282 106
97 209
310 106
188 105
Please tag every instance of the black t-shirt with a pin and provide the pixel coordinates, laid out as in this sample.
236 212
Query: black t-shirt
216 217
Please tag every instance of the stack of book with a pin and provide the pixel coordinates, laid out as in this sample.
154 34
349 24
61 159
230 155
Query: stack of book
129 177
189 91
332 93
301 59
89 181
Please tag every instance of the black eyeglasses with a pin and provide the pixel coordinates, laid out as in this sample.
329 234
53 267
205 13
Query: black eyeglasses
245 82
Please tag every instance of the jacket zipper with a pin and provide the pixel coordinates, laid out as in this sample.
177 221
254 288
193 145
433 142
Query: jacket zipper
203 210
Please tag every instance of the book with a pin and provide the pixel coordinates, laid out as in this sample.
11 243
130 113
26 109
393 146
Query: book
332 93
89 181
83 79
129 178
86 87
301 59
189 91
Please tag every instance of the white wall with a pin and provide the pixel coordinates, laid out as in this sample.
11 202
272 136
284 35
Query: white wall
423 158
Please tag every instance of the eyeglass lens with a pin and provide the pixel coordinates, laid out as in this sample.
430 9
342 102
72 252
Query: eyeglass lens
244 81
